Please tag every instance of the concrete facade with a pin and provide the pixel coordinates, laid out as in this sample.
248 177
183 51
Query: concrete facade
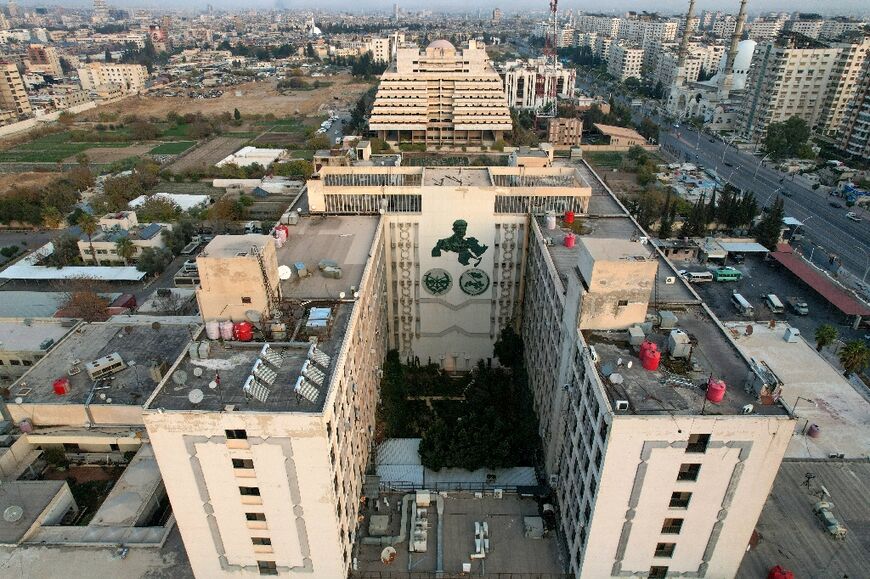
96 76
13 96
536 84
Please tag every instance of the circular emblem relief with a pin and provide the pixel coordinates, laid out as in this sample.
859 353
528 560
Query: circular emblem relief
474 282
437 281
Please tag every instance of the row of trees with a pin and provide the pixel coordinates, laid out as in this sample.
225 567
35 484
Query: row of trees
362 66
48 204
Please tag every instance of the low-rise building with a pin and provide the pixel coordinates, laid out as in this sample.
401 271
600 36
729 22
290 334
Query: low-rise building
96 76
563 132
24 341
102 247
536 84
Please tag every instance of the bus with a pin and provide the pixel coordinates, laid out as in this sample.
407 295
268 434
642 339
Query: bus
727 274
743 306
774 304
698 276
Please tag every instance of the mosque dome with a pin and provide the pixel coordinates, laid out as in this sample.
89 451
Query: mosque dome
441 44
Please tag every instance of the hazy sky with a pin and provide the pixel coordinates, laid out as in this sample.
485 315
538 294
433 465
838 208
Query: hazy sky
856 7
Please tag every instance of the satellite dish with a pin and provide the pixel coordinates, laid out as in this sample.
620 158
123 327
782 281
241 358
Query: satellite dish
388 555
616 378
131 363
108 400
212 384
284 272
19 400
197 371
13 514
179 377
253 316
195 396
341 295
102 395
155 326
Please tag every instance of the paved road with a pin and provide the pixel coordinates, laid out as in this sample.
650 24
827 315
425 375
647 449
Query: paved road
824 225
336 131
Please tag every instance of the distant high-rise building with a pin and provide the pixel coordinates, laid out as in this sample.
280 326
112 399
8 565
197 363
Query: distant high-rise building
13 96
396 11
496 16
12 7
101 11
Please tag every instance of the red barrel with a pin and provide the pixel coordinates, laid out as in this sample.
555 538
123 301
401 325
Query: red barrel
569 217
651 357
570 240
813 431
61 386
715 390
243 331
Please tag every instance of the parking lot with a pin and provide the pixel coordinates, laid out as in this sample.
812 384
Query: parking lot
761 277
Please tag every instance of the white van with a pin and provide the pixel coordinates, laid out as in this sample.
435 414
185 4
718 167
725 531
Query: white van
774 304
742 305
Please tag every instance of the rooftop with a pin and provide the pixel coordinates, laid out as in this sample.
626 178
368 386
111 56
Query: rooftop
677 386
29 335
457 176
225 368
791 535
33 497
827 399
346 240
140 345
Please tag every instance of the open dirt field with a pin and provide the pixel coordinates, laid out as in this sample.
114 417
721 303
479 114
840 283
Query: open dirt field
208 153
255 98
105 155
9 180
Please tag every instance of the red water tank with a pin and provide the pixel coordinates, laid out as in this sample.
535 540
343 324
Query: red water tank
650 357
243 331
570 240
61 386
569 217
285 229
780 573
715 390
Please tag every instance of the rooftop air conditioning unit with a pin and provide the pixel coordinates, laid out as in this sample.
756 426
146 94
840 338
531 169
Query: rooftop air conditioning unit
554 480
622 405
670 280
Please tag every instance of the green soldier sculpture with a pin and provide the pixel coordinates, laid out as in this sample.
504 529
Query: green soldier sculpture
467 248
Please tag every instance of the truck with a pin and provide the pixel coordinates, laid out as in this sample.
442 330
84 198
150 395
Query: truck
798 306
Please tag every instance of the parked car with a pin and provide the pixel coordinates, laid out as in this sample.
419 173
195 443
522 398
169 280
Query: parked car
835 205
853 216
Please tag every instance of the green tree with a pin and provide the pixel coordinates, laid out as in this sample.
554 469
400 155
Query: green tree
694 225
788 138
66 251
855 356
825 336
768 230
125 249
154 261
668 215
509 348
237 115
89 226
157 209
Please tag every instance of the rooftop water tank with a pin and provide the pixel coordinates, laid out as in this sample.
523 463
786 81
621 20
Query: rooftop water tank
243 331
61 386
650 356
226 327
213 329
715 390
569 217
551 221
570 239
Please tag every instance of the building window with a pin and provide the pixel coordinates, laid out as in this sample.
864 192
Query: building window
255 516
246 300
622 303
698 443
672 526
689 471
657 572
249 491
665 549
236 434
261 540
267 567
680 500
15 362
243 463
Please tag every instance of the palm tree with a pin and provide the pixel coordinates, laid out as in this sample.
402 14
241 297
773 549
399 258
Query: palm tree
825 336
855 356
125 249
89 226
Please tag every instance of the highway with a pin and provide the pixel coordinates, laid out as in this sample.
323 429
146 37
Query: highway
824 225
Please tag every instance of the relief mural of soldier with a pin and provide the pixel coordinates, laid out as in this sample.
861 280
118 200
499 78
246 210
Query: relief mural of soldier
468 248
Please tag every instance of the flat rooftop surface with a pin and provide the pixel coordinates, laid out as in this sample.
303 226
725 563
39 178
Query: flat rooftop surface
677 387
33 497
233 363
457 177
510 552
827 398
232 245
16 336
132 492
142 343
345 240
793 536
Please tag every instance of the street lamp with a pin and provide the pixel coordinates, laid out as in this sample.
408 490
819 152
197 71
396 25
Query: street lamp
757 167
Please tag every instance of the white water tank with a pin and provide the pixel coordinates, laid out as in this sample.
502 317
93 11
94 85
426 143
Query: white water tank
226 330
213 329
551 221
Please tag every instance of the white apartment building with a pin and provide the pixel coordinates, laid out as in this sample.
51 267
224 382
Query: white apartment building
836 27
724 27
652 479
762 29
603 25
845 83
103 245
809 28
534 84
13 96
96 76
441 96
624 61
383 49
854 135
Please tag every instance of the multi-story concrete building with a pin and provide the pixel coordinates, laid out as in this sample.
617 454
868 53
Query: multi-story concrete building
624 61
96 76
23 342
383 49
103 245
854 134
834 28
765 28
810 27
844 84
441 96
565 132
788 77
13 96
43 60
536 83
652 478
603 25
724 27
